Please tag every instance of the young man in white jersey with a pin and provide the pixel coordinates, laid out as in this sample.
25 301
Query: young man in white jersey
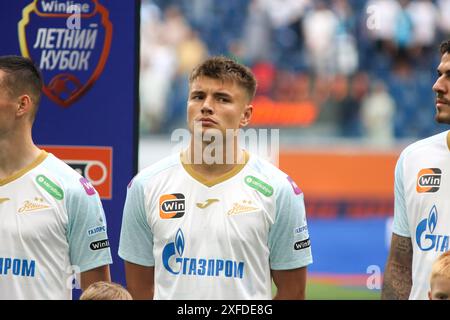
51 219
200 229
421 227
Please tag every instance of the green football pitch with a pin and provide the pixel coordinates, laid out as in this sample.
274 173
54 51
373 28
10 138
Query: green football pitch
318 289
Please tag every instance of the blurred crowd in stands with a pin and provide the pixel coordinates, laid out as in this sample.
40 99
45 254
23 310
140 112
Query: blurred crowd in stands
368 66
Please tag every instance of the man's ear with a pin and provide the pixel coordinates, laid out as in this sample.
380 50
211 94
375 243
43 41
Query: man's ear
246 116
24 105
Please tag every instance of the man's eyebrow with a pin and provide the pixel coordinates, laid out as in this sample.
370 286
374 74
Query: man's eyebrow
197 92
441 71
222 94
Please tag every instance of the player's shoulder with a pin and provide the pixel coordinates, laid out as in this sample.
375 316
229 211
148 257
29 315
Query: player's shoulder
159 168
264 169
60 170
423 146
65 176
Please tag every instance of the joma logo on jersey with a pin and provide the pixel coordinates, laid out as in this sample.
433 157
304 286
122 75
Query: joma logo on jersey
429 180
207 203
425 237
171 206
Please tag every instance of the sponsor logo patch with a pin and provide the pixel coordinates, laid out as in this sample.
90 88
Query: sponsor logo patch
87 186
95 230
303 244
259 185
172 206
177 263
49 186
17 267
297 190
301 229
101 244
428 180
426 238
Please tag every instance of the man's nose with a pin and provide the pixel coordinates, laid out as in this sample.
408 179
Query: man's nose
207 107
439 86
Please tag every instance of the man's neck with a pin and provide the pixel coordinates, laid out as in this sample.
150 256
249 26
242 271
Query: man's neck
216 166
16 153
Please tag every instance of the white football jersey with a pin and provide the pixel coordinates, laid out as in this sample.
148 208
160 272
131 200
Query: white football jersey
52 222
422 205
216 239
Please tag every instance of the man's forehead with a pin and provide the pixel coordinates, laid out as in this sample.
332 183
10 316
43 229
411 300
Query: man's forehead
218 84
445 62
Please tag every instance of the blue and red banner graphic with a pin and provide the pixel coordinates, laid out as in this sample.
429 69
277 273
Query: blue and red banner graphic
71 55
88 52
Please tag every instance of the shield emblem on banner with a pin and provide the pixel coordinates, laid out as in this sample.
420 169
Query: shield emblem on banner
69 42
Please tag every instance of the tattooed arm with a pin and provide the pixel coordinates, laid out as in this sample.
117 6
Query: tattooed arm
398 274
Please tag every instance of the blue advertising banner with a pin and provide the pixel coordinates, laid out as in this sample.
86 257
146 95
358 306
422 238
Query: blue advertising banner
88 52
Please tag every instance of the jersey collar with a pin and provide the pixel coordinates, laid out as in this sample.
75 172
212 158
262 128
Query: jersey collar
40 158
448 140
210 183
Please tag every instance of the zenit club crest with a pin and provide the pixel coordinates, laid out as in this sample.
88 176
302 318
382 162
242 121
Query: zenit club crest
71 56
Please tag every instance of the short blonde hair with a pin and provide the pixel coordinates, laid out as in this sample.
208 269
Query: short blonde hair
441 267
103 290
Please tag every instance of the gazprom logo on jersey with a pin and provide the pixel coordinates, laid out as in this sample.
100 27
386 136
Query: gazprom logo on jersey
428 180
17 267
425 238
71 56
176 264
95 230
171 206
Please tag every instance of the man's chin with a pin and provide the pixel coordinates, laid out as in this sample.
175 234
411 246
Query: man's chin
442 117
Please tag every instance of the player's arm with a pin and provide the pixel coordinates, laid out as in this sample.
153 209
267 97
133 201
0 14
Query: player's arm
289 244
290 284
397 280
140 281
97 274
85 213
136 244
